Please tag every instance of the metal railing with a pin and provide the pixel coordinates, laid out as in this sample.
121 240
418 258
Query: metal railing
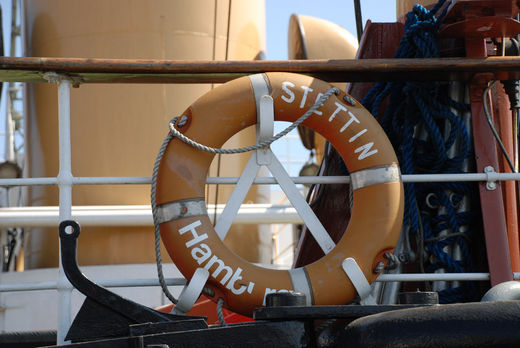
65 181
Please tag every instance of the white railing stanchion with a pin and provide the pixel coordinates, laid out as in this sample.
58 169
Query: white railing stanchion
65 189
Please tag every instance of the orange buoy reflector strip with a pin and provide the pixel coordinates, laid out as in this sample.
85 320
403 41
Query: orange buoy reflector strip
188 233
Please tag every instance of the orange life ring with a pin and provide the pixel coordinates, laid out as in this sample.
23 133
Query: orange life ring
377 211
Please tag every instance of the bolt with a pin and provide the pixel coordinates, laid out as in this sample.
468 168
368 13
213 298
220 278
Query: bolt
490 185
349 100
404 258
283 298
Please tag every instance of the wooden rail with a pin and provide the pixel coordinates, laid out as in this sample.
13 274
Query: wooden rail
87 70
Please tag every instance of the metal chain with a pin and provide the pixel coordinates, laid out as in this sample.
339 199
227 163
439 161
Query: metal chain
261 144
175 133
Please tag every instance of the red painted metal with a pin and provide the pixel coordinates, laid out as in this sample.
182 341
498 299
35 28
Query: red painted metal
504 121
380 40
491 201
491 26
207 308
476 16
464 9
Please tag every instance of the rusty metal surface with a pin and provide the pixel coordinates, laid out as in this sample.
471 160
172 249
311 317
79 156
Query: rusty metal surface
504 120
481 19
491 26
480 8
491 201
87 70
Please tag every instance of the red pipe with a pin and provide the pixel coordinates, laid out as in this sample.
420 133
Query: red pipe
504 121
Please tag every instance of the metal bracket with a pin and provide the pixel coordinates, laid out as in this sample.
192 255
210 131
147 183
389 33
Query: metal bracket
54 77
491 178
103 313
191 292
265 128
359 280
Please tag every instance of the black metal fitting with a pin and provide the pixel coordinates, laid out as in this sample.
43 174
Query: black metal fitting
289 298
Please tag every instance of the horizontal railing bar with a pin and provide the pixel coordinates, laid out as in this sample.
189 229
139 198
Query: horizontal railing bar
416 277
108 283
137 215
89 70
145 282
272 181
29 286
144 180
28 182
113 180
124 283
457 177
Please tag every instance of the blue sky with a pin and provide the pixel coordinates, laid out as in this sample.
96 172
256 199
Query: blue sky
338 11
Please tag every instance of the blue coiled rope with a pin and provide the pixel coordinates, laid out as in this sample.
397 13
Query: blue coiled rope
423 129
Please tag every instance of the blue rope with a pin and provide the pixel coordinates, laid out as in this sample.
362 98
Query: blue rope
423 129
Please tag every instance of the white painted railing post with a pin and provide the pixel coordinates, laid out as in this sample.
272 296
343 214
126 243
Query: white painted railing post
65 182
65 187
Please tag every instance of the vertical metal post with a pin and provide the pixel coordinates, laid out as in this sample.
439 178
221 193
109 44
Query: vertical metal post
65 188
9 129
502 116
359 20
492 203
